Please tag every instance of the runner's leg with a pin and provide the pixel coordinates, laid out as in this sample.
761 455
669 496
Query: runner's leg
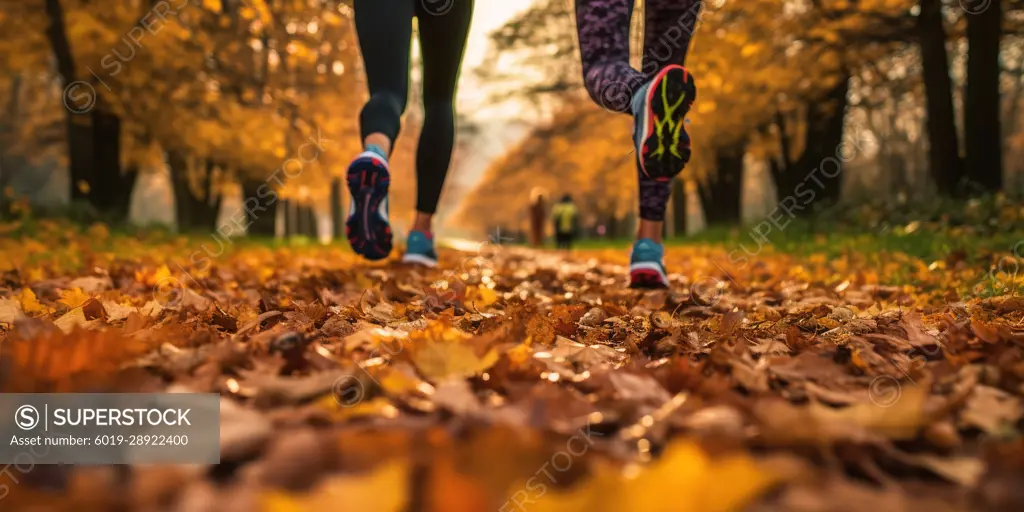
443 43
603 28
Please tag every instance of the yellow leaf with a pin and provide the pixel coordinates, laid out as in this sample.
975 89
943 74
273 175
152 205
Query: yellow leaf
481 296
897 412
162 274
439 361
29 303
521 353
73 298
441 352
36 274
264 273
399 383
699 483
377 407
383 490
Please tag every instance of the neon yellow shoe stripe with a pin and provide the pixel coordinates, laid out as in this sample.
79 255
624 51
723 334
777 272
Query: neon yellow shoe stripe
674 127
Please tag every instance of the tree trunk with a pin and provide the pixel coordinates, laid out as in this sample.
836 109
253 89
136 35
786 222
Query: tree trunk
947 168
679 206
303 220
337 210
112 194
260 203
290 218
982 135
79 132
825 139
193 213
309 213
721 195
815 178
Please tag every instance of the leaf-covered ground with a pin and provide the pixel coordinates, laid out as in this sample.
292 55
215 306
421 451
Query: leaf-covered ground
514 380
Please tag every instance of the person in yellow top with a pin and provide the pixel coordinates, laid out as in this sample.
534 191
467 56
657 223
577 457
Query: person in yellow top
565 215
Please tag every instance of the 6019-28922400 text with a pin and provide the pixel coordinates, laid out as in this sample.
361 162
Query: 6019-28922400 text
101 440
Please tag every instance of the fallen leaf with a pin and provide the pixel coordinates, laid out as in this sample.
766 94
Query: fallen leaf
441 353
29 303
92 284
383 490
72 319
117 312
10 311
991 410
697 482
73 298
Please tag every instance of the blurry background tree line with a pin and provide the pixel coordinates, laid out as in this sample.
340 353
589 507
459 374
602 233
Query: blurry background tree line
801 103
885 105
240 108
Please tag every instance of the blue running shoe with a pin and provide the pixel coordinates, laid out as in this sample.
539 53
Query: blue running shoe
659 131
646 265
367 228
419 250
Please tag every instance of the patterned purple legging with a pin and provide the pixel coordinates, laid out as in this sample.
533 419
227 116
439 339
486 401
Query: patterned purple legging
603 27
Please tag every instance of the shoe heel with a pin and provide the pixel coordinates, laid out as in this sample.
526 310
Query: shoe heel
368 234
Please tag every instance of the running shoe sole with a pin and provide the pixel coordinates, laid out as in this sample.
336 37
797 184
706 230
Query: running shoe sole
666 145
368 231
419 259
647 276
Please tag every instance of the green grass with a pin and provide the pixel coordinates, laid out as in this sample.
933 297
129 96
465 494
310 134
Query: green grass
802 238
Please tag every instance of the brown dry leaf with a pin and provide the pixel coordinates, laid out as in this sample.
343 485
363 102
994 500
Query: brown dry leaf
457 396
991 410
770 347
382 490
117 312
10 311
965 471
639 388
151 308
243 431
72 319
93 310
897 416
53 359
985 331
92 284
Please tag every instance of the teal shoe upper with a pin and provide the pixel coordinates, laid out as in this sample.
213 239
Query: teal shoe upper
646 250
421 244
638 106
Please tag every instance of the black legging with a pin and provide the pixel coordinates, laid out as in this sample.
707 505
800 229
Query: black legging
384 28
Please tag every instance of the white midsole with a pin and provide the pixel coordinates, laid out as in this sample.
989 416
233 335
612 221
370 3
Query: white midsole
371 154
419 259
649 266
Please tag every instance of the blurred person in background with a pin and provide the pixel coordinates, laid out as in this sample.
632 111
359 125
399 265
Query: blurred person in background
658 96
566 218
537 216
384 29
